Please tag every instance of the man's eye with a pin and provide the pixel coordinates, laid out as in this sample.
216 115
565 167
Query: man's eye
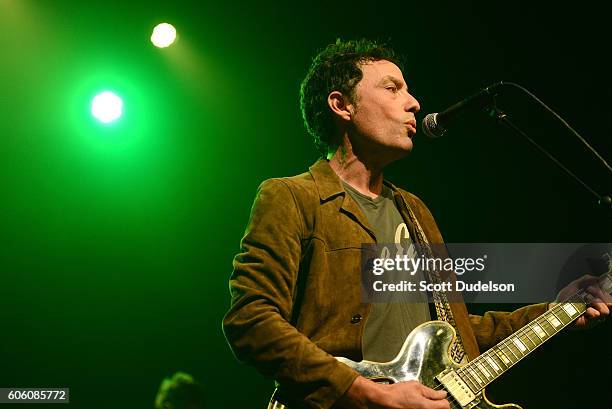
392 88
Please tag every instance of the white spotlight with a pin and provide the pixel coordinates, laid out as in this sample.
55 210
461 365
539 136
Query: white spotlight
163 35
106 107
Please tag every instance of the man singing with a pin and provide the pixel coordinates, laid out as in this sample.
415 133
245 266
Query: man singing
296 296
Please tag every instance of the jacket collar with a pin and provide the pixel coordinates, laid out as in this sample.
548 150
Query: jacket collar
329 184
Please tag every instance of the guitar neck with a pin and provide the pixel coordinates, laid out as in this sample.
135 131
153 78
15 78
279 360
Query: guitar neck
497 360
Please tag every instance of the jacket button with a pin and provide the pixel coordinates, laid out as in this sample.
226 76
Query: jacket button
356 319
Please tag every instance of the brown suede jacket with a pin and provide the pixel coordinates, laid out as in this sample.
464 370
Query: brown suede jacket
295 289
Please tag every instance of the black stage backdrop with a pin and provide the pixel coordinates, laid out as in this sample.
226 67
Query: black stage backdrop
117 241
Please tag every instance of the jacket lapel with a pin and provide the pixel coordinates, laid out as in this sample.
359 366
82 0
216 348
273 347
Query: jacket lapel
329 186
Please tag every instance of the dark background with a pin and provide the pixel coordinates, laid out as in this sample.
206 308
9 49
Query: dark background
117 241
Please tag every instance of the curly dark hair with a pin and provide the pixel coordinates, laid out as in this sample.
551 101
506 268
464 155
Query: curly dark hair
336 68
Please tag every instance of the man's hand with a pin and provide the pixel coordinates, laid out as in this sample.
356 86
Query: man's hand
599 302
364 393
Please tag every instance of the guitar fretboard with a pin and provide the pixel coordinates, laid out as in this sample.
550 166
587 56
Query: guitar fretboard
497 360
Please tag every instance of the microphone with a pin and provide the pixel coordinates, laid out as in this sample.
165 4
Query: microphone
435 125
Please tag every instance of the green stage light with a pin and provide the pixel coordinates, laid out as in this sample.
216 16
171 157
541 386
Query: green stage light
163 35
106 107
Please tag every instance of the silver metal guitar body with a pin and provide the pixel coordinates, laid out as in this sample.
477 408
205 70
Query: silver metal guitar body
423 358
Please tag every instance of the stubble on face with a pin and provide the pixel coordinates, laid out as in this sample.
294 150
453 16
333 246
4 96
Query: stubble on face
383 112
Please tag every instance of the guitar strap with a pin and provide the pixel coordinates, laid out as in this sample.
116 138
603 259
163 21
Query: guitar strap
440 300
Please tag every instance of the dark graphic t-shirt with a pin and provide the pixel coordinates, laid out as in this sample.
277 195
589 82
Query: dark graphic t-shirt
389 323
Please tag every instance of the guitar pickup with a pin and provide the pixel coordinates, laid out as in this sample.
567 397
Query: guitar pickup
456 387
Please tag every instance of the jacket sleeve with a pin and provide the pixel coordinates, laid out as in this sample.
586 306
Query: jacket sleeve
494 326
262 286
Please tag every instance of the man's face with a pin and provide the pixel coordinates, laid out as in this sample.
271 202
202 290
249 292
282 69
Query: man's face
383 113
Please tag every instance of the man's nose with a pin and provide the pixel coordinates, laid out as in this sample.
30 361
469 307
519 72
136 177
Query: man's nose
412 105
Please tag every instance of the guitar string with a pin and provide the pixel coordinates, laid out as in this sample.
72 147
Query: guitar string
559 307
506 343
578 296
523 332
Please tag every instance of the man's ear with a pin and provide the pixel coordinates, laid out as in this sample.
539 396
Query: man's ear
340 105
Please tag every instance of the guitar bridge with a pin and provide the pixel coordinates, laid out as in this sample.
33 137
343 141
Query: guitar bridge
456 387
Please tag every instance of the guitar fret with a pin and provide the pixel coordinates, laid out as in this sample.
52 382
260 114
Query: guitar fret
504 358
510 347
553 320
479 380
570 310
535 338
564 314
501 361
480 366
470 379
488 367
504 349
492 364
475 382
465 375
526 338
537 329
547 327
522 336
519 344
481 383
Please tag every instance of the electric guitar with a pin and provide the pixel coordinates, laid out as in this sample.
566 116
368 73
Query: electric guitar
424 356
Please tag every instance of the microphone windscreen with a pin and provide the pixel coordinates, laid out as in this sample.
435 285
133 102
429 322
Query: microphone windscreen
430 126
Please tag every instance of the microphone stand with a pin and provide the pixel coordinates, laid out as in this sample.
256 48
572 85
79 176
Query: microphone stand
501 116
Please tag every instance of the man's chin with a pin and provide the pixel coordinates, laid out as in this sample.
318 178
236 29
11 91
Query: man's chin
406 146
400 151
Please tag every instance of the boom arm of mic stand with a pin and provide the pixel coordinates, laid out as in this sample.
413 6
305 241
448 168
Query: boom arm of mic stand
602 200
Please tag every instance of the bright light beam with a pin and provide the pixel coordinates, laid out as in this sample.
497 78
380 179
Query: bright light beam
163 35
106 107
